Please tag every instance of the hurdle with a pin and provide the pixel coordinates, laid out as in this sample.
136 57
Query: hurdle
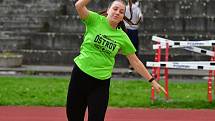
193 46
189 48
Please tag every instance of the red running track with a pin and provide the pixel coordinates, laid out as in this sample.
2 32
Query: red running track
113 114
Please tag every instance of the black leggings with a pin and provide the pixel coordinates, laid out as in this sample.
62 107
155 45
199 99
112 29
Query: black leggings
86 92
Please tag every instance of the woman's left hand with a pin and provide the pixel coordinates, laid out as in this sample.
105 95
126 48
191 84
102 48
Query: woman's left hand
158 87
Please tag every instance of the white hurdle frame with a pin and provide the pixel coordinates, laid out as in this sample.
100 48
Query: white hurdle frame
187 45
207 65
189 48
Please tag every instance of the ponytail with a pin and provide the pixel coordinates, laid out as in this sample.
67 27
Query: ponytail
121 25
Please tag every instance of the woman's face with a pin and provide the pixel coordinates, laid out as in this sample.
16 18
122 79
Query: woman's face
116 12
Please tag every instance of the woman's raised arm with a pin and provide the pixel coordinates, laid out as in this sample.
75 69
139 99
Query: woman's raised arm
81 8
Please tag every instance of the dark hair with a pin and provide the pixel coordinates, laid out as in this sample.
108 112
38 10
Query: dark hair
133 1
122 1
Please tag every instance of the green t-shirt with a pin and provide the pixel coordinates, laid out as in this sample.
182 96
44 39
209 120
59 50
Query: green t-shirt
100 46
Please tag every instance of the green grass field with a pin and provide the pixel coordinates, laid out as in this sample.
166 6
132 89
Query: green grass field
52 91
